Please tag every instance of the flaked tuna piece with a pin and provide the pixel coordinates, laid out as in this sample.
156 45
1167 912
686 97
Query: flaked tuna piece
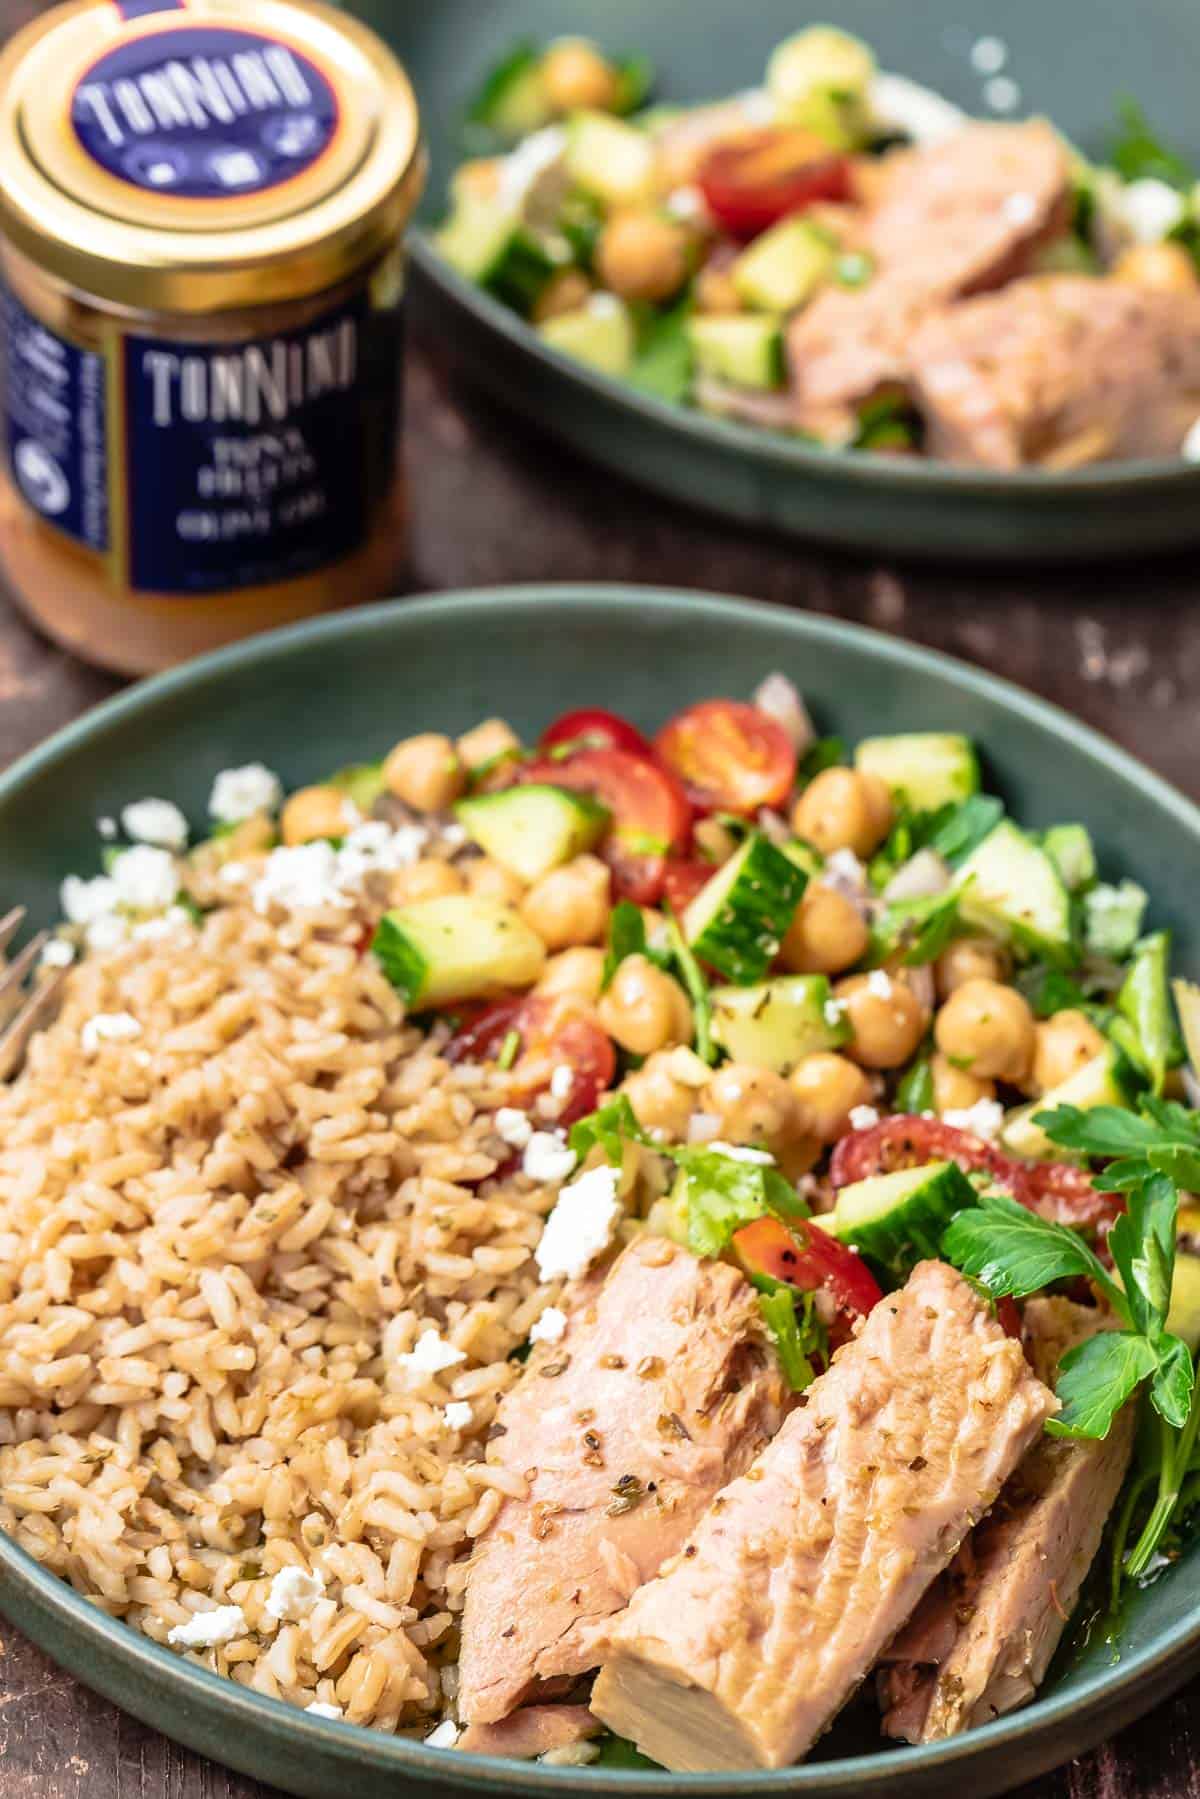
747 1645
659 1393
534 1730
955 219
982 1638
1059 370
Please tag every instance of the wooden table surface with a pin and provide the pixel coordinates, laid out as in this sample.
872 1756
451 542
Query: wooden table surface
494 502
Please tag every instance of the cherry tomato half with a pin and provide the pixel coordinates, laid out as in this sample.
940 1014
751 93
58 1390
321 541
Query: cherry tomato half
682 880
808 1258
650 812
551 1033
730 757
591 728
751 181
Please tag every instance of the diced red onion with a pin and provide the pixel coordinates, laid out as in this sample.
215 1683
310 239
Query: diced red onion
778 698
921 877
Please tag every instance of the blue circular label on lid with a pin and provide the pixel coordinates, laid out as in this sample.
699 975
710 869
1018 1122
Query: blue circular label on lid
206 112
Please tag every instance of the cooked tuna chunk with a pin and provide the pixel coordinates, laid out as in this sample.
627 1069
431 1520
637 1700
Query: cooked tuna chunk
743 1650
659 1393
981 1640
955 219
534 1730
1059 370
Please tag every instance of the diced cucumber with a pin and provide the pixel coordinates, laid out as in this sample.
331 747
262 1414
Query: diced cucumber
1183 1319
512 101
784 266
609 159
533 829
1112 918
820 78
1144 1027
1070 849
1186 995
804 856
496 250
361 782
745 349
736 923
926 769
600 334
1107 1080
1014 891
458 947
897 1219
778 1023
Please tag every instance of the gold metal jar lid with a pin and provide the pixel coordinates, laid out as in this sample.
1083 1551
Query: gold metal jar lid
197 156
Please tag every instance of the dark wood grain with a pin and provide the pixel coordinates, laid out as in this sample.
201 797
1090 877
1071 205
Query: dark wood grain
494 502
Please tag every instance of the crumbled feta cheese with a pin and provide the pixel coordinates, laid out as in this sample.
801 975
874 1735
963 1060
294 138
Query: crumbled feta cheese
833 1012
1189 449
548 1157
444 1737
107 828
106 933
549 1327
581 1225
844 873
108 1027
293 1594
1002 94
562 1081
146 879
85 901
605 306
239 793
431 1354
304 877
989 55
156 821
458 1415
152 929
372 847
58 953
513 1126
522 166
863 1117
740 1152
879 982
320 1710
688 205
1150 209
906 106
703 1127
207 1629
983 1119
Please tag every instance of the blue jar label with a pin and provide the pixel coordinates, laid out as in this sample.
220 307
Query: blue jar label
204 112
55 425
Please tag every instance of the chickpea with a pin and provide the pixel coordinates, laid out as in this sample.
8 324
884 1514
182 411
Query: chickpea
886 1017
575 75
843 810
1064 1044
479 180
643 256
566 291
660 1101
827 935
954 1089
644 1009
491 880
484 742
989 1030
317 812
796 1159
1162 268
574 974
714 841
425 772
424 880
755 1105
570 904
968 959
828 1087
716 291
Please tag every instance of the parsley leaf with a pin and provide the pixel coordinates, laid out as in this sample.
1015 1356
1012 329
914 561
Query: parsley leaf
1096 1378
1013 1252
611 1126
626 937
915 1091
692 976
919 929
796 1341
1173 1388
957 829
826 752
724 1192
1140 155
662 363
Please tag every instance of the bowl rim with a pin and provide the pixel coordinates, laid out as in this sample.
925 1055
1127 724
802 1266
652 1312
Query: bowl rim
1153 1666
898 474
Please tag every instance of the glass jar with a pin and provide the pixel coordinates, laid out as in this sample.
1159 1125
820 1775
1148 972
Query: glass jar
202 205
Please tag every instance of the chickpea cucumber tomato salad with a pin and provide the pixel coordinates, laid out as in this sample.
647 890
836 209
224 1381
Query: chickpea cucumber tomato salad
816 1010
840 254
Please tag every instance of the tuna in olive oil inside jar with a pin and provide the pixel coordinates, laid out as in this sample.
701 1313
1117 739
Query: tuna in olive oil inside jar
201 211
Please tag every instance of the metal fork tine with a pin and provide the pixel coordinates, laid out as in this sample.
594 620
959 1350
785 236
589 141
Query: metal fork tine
12 980
10 924
39 1003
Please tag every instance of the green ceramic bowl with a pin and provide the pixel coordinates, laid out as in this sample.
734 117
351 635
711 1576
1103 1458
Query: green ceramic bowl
1072 60
344 689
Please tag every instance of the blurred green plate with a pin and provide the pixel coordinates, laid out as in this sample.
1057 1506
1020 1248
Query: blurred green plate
344 689
1072 61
